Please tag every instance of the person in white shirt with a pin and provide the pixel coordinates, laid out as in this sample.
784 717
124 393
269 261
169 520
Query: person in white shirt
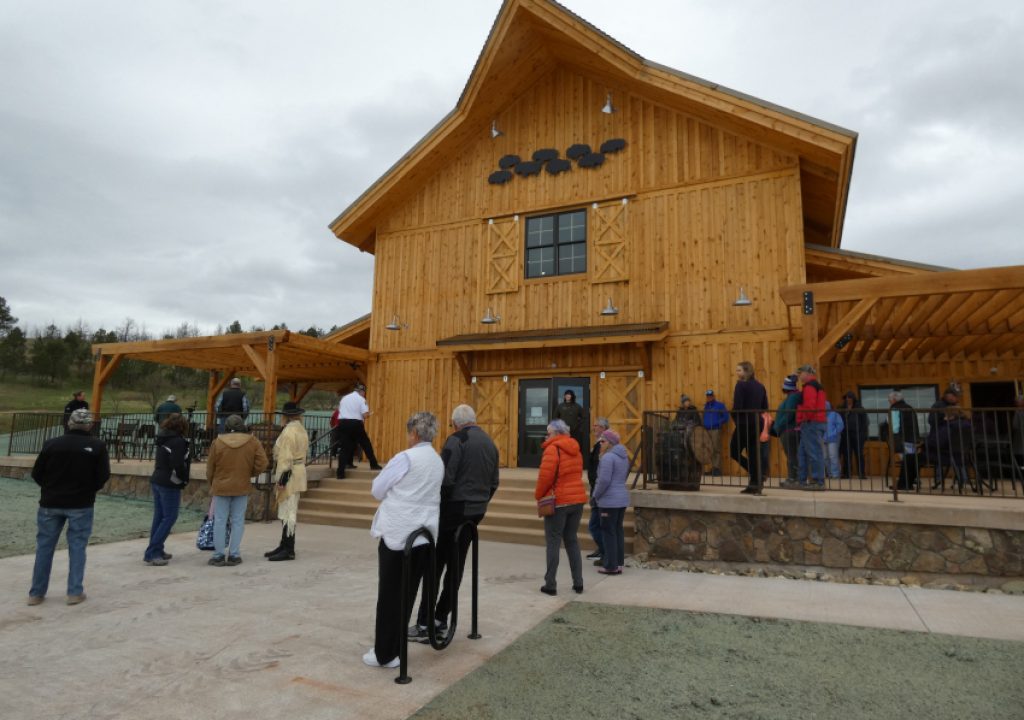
409 489
352 412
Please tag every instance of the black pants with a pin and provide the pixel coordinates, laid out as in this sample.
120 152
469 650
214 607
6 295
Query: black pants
746 438
908 472
353 434
390 624
850 450
790 441
452 516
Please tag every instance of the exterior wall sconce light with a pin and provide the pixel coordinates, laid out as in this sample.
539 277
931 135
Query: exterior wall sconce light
610 309
490 318
396 324
742 300
608 108
495 132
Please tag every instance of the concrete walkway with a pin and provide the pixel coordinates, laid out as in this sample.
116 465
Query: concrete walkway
284 640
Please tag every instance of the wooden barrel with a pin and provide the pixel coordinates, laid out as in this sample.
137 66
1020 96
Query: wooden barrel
676 464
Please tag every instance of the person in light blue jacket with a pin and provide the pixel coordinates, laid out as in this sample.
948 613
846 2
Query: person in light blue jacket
612 498
833 432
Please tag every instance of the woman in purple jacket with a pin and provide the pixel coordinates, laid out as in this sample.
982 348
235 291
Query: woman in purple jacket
612 498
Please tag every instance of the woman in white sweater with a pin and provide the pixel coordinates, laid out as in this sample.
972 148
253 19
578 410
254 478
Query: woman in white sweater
409 488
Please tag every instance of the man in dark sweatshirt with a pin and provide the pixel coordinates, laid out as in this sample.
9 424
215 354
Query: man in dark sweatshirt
70 470
470 481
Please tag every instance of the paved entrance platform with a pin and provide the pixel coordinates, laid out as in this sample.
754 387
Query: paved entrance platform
284 640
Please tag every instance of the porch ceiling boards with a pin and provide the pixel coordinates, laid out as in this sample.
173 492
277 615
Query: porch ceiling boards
297 358
953 315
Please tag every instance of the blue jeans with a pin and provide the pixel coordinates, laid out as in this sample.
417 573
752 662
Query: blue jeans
812 452
49 524
594 527
832 451
225 507
166 502
614 537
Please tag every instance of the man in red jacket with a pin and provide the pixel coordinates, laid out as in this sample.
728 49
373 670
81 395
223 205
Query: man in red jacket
810 416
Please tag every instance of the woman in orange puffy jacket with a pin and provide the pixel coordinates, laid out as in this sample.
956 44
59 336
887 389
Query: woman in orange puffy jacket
561 474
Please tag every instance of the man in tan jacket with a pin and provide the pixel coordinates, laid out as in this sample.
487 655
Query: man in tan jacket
235 457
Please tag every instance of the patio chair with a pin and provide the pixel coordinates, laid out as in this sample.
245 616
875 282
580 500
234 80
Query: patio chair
121 439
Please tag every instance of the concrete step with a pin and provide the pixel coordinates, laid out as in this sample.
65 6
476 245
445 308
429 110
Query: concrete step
488 531
511 516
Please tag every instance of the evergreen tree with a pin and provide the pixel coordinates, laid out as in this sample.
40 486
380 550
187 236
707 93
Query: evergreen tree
78 350
12 352
7 321
49 355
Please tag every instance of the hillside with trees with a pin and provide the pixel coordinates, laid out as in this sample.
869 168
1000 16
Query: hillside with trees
40 366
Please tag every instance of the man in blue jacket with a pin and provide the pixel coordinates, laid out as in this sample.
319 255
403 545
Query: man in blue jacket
716 417
70 470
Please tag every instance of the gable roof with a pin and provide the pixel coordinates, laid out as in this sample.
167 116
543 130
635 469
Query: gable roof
825 264
529 36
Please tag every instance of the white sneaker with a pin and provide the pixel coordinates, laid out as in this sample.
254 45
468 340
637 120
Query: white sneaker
370 658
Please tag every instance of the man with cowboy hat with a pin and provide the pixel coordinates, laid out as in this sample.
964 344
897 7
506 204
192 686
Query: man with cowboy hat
290 452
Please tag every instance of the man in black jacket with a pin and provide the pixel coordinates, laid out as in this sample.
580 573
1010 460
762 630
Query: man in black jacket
470 480
77 402
70 469
905 436
855 433
231 402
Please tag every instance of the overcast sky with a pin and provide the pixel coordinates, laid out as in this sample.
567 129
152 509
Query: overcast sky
180 161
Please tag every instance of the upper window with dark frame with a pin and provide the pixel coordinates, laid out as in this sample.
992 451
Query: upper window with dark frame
556 244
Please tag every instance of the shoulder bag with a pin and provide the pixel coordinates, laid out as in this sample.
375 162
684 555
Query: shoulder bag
546 505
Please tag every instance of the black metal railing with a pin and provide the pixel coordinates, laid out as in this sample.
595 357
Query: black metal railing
132 436
924 451
430 592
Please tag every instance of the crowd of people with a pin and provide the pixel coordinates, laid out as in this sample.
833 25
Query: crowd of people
818 441
446 493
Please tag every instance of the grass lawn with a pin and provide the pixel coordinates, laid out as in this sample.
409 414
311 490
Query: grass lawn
114 518
604 661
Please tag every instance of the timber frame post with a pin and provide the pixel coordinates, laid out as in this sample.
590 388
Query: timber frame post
269 378
105 367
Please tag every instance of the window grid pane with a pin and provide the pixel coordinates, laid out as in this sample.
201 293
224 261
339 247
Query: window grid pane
540 262
556 244
540 231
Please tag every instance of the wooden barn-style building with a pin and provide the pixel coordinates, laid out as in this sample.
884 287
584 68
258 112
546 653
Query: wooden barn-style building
585 218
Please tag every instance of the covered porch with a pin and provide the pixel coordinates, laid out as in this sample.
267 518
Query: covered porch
930 318
275 357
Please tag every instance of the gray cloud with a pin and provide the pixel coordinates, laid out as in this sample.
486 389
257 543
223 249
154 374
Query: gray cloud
180 162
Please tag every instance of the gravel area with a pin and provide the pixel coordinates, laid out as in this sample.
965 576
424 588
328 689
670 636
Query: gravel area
114 519
600 661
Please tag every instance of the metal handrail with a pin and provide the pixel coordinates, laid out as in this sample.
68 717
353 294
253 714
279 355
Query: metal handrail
981 446
130 435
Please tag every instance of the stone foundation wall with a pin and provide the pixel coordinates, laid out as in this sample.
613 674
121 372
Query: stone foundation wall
850 547
195 495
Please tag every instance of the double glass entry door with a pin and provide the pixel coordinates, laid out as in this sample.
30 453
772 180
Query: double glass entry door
538 399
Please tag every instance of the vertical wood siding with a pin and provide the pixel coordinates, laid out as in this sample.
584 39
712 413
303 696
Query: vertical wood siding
706 212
